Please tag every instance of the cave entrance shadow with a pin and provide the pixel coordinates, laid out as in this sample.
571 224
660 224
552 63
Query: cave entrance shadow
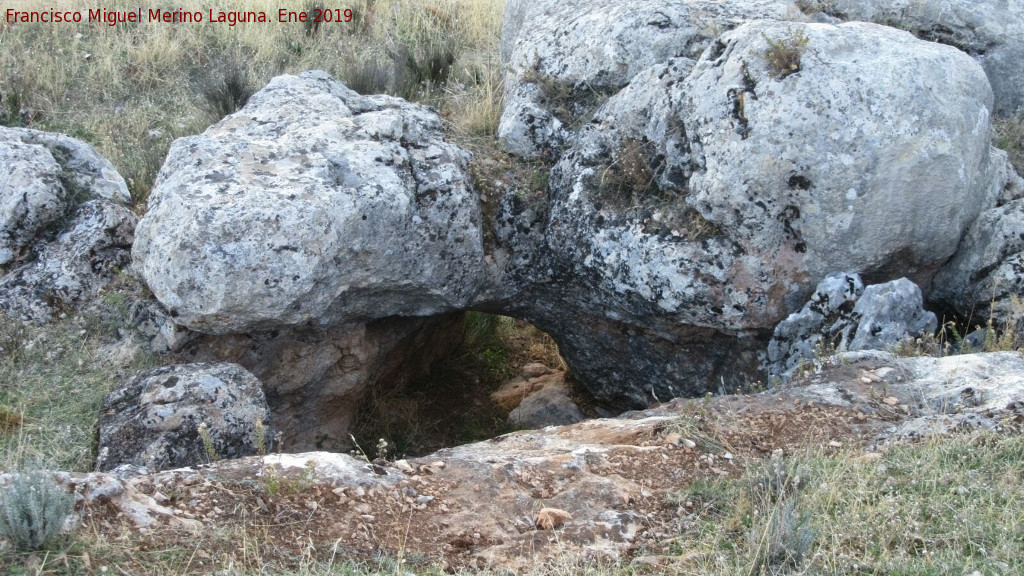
451 404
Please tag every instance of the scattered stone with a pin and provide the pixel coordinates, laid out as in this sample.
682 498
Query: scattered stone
535 369
550 406
551 518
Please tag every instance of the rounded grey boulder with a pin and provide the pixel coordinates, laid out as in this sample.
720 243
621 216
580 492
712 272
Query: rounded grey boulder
312 204
66 224
154 419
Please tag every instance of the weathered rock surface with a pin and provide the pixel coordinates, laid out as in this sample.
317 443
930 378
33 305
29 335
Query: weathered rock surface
538 397
153 419
842 315
549 406
990 30
704 203
887 313
987 272
66 225
316 380
614 482
315 205
564 58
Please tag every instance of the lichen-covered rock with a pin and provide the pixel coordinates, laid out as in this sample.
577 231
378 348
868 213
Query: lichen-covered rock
703 203
843 315
874 177
987 273
154 419
312 204
887 313
824 324
66 225
564 58
990 30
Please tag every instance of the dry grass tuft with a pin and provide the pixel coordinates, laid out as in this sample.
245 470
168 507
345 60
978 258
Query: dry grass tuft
130 89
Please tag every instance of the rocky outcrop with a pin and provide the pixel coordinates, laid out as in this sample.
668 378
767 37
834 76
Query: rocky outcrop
992 31
313 205
155 419
66 224
317 379
565 58
538 397
842 315
985 280
613 484
702 204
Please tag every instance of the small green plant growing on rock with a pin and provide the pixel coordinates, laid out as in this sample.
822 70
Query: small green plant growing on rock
204 435
33 510
783 54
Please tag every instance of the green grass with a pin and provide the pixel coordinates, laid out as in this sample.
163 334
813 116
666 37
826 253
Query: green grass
1009 135
52 383
950 506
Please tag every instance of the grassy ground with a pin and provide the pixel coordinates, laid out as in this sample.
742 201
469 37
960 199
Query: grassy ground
52 383
1010 137
130 89
954 505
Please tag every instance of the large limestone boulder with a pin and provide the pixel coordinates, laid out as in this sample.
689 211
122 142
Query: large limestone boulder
66 223
154 419
703 203
564 58
312 204
990 30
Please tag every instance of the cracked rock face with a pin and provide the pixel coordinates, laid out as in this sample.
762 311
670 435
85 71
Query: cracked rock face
844 315
987 273
153 419
315 205
992 31
704 202
565 58
66 223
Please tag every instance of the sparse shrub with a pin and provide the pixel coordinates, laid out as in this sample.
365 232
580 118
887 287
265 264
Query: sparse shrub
33 510
369 76
777 479
784 541
207 439
695 424
10 420
629 179
226 90
1010 137
1008 336
783 54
